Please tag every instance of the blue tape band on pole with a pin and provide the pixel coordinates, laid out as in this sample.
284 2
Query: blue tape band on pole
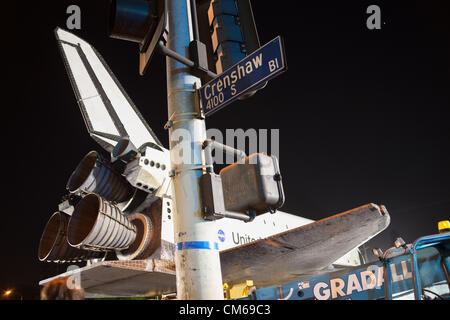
188 245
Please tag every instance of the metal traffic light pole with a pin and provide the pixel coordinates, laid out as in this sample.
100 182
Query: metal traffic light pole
197 260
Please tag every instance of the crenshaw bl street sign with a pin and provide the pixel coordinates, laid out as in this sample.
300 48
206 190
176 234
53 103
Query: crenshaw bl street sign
255 69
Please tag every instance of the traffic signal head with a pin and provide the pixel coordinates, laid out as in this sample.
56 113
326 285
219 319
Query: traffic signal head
232 30
226 29
253 184
140 21
243 190
131 19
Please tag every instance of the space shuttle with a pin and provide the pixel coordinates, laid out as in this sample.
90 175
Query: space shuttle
118 210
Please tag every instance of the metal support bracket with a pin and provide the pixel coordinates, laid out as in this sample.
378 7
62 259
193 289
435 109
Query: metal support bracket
174 173
198 113
174 55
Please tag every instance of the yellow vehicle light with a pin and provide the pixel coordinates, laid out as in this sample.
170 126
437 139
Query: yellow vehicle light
444 226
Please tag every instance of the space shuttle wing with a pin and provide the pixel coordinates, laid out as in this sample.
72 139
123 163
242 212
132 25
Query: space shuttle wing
304 250
107 110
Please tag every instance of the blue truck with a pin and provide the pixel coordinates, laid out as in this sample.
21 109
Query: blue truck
417 271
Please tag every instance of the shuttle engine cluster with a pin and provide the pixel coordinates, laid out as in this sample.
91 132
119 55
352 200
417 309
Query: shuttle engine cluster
103 212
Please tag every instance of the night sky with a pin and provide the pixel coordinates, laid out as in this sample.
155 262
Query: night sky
363 114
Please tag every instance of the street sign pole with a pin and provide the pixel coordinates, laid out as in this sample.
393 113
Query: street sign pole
197 260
